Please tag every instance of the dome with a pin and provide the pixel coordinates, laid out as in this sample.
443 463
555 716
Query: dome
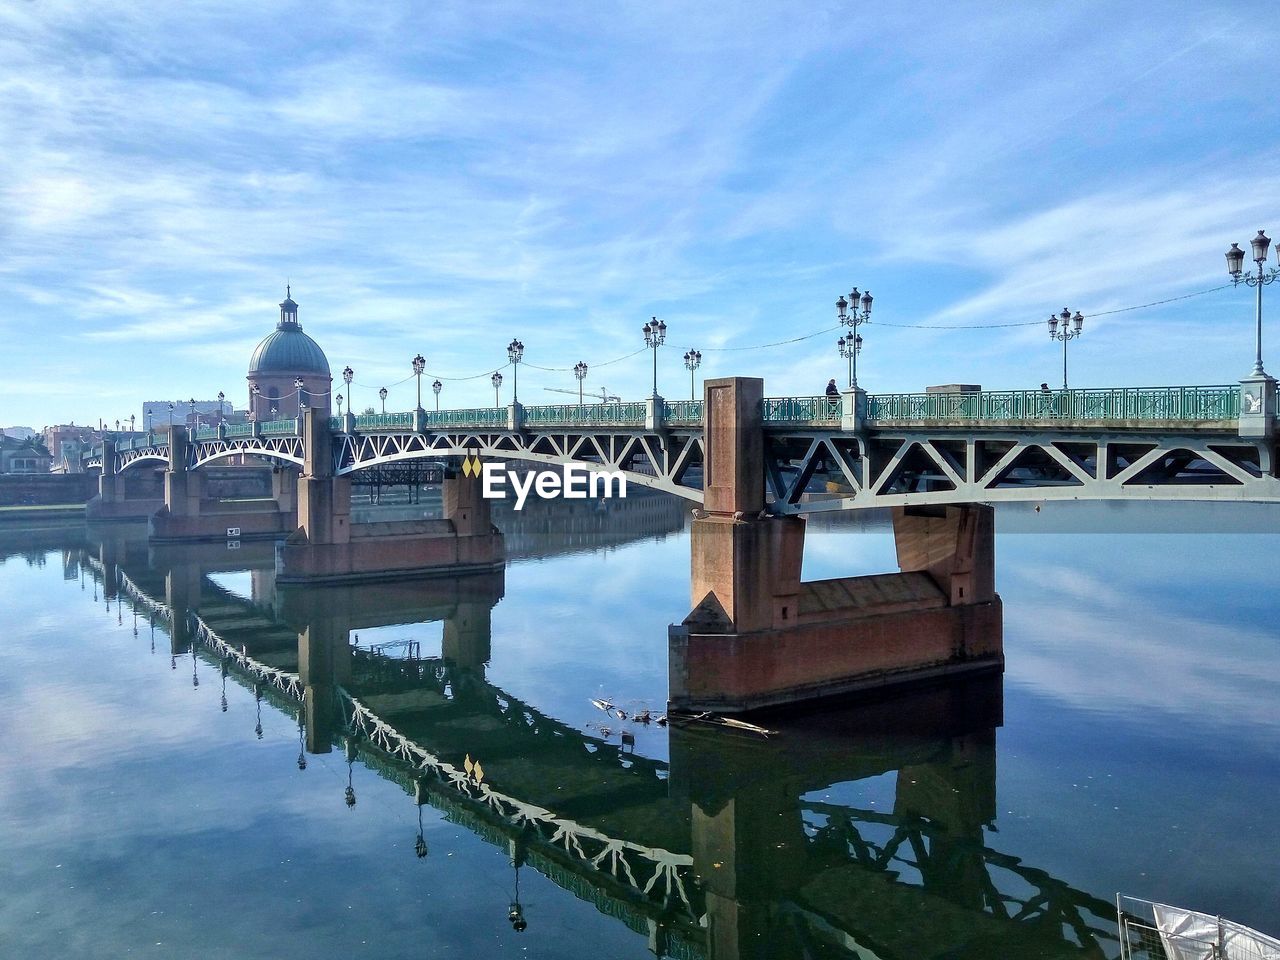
288 350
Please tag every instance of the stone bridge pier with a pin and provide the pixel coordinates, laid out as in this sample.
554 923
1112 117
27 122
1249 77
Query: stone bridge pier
760 637
189 515
113 501
328 548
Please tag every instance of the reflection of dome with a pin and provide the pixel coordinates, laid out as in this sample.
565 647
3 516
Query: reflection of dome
287 349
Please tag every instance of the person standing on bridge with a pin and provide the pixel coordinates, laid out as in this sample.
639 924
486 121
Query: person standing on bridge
833 392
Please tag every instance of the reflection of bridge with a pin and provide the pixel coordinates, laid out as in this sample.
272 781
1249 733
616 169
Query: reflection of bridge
757 635
725 852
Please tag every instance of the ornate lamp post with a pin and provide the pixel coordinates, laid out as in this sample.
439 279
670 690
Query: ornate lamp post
1071 328
436 387
515 354
253 401
347 375
850 346
496 380
148 419
131 423
419 364
655 335
1235 257
580 371
221 397
339 399
692 361
382 395
297 382
171 413
195 421
852 317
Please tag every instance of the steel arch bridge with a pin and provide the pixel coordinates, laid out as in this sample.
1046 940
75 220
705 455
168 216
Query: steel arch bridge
1165 443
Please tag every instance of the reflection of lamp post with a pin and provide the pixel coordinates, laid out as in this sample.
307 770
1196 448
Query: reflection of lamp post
580 371
1067 334
655 335
496 380
382 395
850 347
436 387
1235 257
419 364
692 361
515 353
853 320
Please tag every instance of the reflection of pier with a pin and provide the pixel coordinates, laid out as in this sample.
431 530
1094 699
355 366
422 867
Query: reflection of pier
738 848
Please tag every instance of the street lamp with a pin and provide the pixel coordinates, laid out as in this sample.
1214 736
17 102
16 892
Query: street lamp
655 335
297 382
195 422
515 353
850 346
131 418
347 375
148 419
253 401
692 361
419 364
1235 257
580 371
339 399
1066 335
854 318
436 387
382 395
221 397
496 380
171 413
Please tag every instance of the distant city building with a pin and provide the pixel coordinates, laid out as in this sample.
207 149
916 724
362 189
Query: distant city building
24 456
284 357
19 433
65 442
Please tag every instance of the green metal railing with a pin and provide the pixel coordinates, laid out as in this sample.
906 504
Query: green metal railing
1123 403
384 421
239 430
800 410
493 417
206 433
277 428
682 412
586 414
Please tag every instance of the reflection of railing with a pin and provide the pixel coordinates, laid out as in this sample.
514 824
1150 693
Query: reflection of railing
804 410
650 871
1122 403
1035 898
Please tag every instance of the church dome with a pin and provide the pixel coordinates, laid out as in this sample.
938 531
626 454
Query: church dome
287 350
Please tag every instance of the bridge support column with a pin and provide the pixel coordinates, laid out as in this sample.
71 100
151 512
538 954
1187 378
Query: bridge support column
1257 407
327 548
110 485
759 637
284 489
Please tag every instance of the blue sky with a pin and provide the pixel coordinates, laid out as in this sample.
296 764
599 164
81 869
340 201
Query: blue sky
442 177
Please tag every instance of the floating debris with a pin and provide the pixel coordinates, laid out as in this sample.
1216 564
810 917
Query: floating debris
719 721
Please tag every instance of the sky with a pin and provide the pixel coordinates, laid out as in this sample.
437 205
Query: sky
441 178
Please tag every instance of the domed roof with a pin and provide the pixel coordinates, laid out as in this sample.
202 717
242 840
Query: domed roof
287 349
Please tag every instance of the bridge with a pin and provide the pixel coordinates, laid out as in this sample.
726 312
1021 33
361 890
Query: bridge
752 467
703 856
1185 443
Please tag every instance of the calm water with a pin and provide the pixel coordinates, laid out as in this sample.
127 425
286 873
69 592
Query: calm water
154 800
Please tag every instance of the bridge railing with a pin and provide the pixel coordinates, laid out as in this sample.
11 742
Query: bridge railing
384 421
630 413
682 412
806 410
239 430
1121 403
278 428
206 433
490 417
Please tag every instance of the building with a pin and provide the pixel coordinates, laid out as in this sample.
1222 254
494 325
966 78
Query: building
286 358
24 456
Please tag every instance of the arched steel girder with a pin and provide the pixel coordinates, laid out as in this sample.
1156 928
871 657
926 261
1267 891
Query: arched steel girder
668 457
